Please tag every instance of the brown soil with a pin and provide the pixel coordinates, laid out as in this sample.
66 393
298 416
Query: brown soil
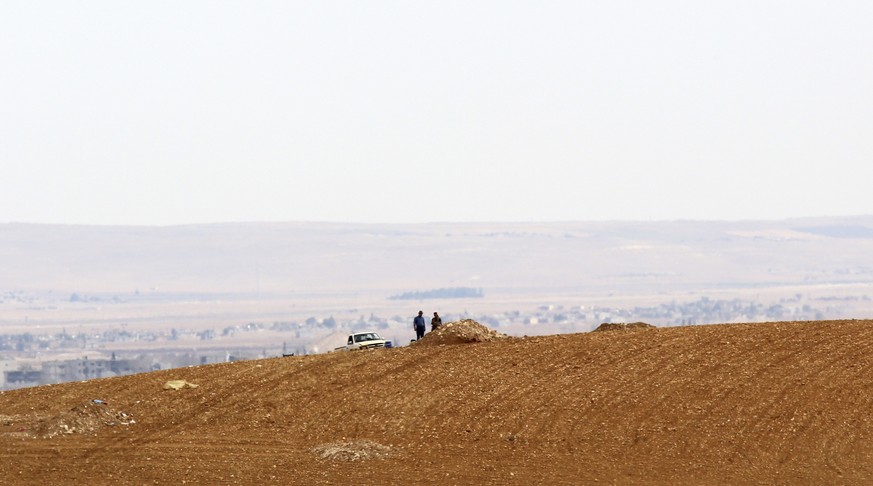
774 403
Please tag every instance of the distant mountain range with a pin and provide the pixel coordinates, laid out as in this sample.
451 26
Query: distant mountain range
498 259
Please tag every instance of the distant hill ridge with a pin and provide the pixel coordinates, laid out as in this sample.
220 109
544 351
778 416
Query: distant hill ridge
405 261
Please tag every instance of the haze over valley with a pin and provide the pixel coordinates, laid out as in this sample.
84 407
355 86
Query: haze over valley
171 296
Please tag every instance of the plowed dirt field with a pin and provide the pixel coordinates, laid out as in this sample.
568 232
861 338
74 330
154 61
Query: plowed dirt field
772 403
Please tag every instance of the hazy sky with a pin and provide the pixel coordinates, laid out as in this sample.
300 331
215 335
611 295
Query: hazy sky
173 112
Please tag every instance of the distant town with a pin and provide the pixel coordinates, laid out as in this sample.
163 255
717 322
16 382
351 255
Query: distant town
31 359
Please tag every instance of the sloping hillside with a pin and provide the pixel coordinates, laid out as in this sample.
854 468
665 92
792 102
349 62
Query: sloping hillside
774 403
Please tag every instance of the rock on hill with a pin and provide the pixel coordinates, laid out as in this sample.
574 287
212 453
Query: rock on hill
774 403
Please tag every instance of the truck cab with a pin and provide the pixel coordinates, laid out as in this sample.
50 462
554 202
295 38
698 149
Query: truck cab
364 340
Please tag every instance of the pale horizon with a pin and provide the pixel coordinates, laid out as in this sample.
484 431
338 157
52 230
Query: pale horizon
825 218
167 113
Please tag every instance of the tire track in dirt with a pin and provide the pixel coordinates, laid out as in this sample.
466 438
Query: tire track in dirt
608 403
800 369
839 446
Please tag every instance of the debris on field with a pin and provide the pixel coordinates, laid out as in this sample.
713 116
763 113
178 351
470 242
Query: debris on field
178 385
353 451
86 418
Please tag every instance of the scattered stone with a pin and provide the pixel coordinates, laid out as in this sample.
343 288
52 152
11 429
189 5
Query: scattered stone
86 418
353 451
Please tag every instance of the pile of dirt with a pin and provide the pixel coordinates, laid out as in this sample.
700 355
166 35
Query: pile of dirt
622 326
85 418
460 332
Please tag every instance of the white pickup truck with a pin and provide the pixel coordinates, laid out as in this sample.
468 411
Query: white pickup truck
364 340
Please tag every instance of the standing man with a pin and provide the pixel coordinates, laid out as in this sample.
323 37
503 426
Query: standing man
436 322
418 325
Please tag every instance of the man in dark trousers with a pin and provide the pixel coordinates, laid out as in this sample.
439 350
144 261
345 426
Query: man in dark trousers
418 325
436 322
